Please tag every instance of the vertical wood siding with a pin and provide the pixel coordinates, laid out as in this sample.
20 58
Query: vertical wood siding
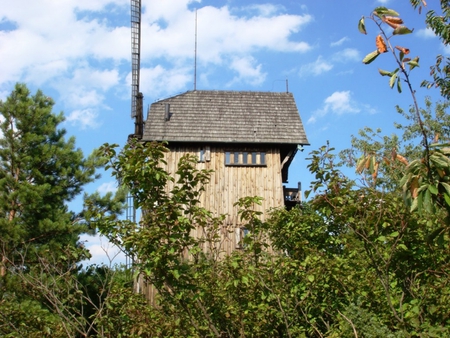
227 185
230 183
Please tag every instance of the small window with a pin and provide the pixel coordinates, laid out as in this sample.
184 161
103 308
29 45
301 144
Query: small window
201 155
236 158
204 154
262 158
245 158
241 233
254 158
227 158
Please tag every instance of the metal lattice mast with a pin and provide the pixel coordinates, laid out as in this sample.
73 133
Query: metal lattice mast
136 95
135 54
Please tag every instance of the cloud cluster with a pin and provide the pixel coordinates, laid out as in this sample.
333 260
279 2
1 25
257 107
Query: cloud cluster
325 64
81 48
338 103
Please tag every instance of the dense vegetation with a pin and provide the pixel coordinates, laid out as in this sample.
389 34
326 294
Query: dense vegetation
363 257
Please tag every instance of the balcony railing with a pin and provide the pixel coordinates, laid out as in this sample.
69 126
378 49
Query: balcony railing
292 196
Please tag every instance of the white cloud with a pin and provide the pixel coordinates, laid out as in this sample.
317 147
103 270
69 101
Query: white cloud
220 33
106 187
80 48
264 9
338 103
160 80
446 49
339 42
103 79
65 45
345 55
102 251
316 68
248 71
322 65
99 5
426 33
84 118
82 97
4 94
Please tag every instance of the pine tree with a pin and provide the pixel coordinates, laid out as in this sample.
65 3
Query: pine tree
40 171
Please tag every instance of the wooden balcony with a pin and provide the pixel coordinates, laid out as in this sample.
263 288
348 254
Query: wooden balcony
292 196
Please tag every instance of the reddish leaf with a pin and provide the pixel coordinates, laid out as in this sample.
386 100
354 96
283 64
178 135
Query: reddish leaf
381 45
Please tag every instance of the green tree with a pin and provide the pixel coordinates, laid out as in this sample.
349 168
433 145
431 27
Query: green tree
439 23
351 261
40 172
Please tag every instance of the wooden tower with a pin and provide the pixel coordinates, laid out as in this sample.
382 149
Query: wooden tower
248 139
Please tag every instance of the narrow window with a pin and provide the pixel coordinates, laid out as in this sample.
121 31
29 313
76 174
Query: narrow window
207 154
227 157
254 158
244 157
201 155
262 158
236 158
241 233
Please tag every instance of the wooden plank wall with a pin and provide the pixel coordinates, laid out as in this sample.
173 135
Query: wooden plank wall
229 183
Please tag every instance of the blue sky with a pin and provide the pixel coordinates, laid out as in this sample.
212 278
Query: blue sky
78 52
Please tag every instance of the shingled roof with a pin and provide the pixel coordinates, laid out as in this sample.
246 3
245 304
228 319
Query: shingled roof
226 117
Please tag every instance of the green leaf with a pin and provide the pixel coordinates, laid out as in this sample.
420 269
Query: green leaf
307 192
245 280
447 198
446 187
402 246
413 63
384 72
392 80
402 30
433 189
399 85
427 201
362 26
370 57
415 205
440 161
380 11
311 278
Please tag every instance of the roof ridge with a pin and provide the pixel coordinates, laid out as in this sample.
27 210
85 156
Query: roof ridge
221 92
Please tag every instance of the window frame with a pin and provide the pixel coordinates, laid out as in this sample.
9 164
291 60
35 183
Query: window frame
204 154
245 158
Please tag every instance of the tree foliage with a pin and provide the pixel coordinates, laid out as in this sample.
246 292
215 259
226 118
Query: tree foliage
40 172
352 261
364 257
439 23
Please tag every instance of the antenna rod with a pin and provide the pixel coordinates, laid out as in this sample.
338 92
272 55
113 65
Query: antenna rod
195 53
